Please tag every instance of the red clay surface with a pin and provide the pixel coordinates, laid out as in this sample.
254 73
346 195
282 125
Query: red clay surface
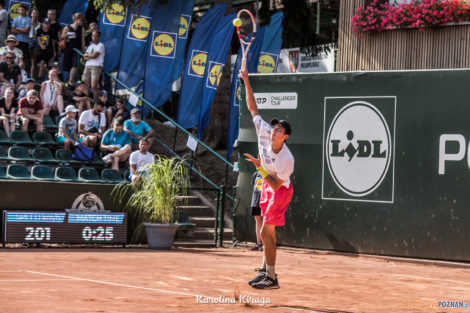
141 280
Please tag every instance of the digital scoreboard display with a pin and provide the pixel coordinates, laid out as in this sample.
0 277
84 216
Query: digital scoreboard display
64 227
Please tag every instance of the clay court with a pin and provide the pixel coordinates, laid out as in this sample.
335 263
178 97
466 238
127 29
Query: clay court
182 280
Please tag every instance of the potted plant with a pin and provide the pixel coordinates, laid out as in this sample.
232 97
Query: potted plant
151 203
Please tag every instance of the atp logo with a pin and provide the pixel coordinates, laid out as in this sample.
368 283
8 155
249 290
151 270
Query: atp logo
359 138
139 28
115 15
197 66
267 63
14 9
164 45
185 21
215 72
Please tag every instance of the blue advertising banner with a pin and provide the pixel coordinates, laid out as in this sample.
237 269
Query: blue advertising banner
12 7
185 26
112 25
272 42
69 9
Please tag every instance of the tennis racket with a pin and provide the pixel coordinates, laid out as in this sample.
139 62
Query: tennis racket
246 32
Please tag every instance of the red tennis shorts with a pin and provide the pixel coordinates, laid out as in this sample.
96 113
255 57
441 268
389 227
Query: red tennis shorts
274 204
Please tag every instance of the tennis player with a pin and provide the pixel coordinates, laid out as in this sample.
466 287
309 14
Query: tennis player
275 163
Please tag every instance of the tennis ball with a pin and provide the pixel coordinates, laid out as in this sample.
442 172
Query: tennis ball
237 22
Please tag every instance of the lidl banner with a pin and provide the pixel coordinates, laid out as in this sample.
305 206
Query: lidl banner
185 26
218 51
161 55
14 5
112 26
69 9
195 67
271 47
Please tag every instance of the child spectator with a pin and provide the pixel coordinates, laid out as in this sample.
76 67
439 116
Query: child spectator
56 66
8 106
30 108
117 144
29 85
10 46
92 124
68 128
138 129
79 98
117 111
51 94
94 57
140 159
45 46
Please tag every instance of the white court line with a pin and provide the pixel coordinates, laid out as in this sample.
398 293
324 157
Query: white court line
30 280
182 277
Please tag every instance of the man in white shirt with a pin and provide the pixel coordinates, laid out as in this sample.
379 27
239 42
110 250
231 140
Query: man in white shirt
275 164
92 124
94 58
140 160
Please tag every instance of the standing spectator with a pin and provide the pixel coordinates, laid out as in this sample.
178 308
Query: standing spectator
51 94
138 129
10 73
30 108
45 42
79 98
91 28
55 28
94 58
33 42
75 35
92 124
10 46
117 144
139 160
68 128
8 106
20 27
3 22
29 84
117 111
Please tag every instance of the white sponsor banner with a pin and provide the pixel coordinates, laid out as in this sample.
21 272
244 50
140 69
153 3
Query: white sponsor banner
293 61
276 100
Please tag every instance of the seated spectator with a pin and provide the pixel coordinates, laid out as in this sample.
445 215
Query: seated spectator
92 124
94 57
140 159
56 66
8 107
10 46
138 129
79 98
30 108
29 85
10 74
118 110
45 50
117 144
68 128
51 94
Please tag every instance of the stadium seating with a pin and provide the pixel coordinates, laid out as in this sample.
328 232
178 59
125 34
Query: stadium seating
111 176
65 156
3 137
43 138
20 137
43 155
65 173
97 160
48 123
18 171
17 153
42 172
126 175
2 173
3 153
89 175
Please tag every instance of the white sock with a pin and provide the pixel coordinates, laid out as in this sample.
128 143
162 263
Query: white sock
263 265
270 271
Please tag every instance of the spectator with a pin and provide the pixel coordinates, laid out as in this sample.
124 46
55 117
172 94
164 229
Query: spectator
45 50
30 83
140 159
8 106
68 128
33 42
51 94
94 58
138 129
75 35
20 27
55 28
79 98
10 46
56 66
30 108
3 21
10 73
92 124
91 28
117 144
117 111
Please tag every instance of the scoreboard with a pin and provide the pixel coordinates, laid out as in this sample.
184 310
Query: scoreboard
64 227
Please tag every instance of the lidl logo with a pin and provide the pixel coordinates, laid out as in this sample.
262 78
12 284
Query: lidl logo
359 140
164 44
238 95
267 63
14 9
139 28
185 22
215 72
197 65
115 15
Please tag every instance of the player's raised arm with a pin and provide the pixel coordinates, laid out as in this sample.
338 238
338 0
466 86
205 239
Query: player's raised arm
250 97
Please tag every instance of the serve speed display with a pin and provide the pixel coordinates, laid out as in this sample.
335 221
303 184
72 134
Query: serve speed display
63 227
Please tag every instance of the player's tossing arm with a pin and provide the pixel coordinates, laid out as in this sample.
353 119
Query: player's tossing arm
273 180
250 97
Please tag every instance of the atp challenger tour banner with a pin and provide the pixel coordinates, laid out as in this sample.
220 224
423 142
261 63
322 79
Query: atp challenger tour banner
382 161
112 25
